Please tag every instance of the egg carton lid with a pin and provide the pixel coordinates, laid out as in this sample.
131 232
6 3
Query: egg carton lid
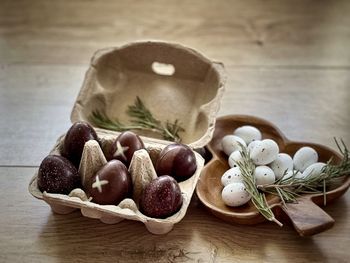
173 81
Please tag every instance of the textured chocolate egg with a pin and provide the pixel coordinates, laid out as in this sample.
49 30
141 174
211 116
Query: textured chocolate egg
57 175
124 147
78 134
161 198
111 184
176 160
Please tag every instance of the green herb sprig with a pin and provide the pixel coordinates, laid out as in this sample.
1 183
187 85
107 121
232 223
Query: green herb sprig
141 119
289 189
247 168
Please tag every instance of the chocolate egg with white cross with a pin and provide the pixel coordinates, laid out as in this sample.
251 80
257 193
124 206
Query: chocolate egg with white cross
124 147
111 184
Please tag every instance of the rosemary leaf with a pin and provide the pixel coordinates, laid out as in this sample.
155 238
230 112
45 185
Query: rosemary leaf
141 119
259 200
290 188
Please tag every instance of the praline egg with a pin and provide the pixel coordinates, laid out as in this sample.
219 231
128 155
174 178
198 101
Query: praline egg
235 194
178 161
111 184
231 143
57 175
161 198
248 133
76 137
124 147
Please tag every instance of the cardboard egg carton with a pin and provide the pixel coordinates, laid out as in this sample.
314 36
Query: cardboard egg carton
142 172
175 82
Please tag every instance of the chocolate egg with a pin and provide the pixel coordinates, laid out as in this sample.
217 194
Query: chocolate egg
111 184
78 134
176 160
124 147
161 197
57 175
205 153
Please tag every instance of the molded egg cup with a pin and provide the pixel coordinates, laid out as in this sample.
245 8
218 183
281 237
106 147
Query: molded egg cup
306 215
174 82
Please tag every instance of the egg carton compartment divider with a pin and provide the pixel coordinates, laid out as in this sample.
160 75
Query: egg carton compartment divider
142 172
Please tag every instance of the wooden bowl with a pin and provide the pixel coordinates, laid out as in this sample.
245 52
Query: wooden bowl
306 215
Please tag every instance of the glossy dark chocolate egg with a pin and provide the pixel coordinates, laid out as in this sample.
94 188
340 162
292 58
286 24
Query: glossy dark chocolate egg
161 198
75 139
124 147
57 175
111 184
205 153
178 161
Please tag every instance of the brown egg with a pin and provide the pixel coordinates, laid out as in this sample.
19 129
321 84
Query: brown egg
178 161
161 198
124 147
78 134
111 184
57 175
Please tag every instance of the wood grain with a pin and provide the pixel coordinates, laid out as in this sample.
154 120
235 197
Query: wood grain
35 106
287 61
29 231
307 105
275 33
307 218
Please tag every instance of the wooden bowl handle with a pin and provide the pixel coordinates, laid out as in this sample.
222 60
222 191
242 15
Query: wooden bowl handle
308 219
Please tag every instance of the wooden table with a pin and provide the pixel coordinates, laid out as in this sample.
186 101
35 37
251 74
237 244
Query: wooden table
287 61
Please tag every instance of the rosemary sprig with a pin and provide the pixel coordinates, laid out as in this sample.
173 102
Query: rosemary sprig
141 119
247 168
289 189
102 121
144 118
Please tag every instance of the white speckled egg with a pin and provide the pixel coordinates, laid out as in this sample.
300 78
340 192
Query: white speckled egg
248 133
290 174
234 194
282 163
264 152
234 158
313 170
231 175
230 143
264 175
304 157
252 145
